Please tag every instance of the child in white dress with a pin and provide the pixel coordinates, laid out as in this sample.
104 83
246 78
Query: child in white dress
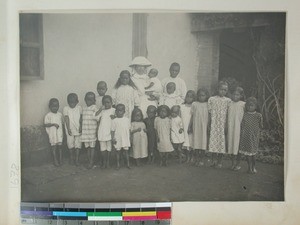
177 135
120 134
125 92
73 116
101 89
235 115
105 116
139 141
154 90
170 98
53 123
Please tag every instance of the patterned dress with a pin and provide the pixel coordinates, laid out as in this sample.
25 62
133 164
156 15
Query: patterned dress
235 116
139 141
163 128
217 107
250 131
89 124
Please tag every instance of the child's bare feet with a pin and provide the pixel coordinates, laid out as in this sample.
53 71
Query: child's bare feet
254 170
236 168
219 166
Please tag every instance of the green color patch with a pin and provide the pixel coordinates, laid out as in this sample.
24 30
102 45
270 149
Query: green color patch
104 214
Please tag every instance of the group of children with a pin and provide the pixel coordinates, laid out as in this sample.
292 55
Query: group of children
191 126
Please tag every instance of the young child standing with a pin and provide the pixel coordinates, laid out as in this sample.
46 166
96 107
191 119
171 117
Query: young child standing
53 123
235 115
73 115
170 98
217 108
162 125
120 133
104 116
139 139
199 125
89 126
151 135
177 135
185 110
125 92
154 90
251 125
101 89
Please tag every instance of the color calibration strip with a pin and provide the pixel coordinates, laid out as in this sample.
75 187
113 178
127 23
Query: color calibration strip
97 211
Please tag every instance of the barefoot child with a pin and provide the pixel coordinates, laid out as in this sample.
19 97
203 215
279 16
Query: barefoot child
199 125
139 141
151 135
53 124
120 134
217 108
105 116
89 127
73 115
162 125
235 115
177 135
251 125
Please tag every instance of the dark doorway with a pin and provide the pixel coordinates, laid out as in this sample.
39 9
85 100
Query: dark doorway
236 59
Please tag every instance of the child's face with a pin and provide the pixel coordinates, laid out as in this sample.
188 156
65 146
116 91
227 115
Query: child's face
170 88
174 71
202 96
175 112
54 106
250 107
189 98
223 90
124 78
236 96
151 112
101 89
90 100
152 74
138 117
140 69
120 111
107 103
73 102
163 113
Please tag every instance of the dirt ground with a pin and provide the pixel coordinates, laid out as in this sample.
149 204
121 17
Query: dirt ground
151 183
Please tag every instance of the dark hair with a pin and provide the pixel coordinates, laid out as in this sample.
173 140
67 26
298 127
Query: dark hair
102 82
89 93
151 106
153 70
205 91
120 104
170 84
221 83
106 97
190 91
240 90
175 107
174 64
251 100
162 107
51 101
118 83
134 111
72 96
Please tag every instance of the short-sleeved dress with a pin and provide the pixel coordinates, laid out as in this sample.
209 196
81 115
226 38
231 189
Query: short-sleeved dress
121 127
89 124
163 128
139 141
104 128
235 116
200 122
186 113
55 134
250 131
218 107
176 125
151 135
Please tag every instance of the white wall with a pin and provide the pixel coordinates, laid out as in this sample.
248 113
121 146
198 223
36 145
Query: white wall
170 40
79 50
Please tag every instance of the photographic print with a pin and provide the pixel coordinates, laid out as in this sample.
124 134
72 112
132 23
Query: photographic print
152 107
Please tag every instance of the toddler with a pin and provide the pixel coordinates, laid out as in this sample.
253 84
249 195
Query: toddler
89 126
162 125
235 115
151 135
125 92
73 115
139 139
199 125
101 89
170 98
53 123
105 117
217 108
250 130
177 135
120 133
154 89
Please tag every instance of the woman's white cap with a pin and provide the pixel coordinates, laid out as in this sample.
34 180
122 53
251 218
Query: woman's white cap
140 61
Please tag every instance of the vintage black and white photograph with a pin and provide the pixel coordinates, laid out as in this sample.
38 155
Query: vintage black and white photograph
152 107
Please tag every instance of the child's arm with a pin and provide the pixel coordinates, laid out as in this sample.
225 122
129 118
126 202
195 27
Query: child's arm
150 85
80 123
99 111
51 125
113 140
67 120
190 127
